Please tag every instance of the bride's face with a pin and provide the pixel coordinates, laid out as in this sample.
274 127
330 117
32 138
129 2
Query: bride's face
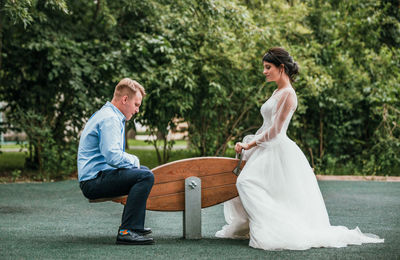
271 71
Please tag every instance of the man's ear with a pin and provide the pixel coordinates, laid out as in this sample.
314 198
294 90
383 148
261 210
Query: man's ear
124 99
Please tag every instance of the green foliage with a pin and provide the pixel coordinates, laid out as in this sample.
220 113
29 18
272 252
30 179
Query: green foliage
212 41
200 62
55 160
15 174
365 73
46 74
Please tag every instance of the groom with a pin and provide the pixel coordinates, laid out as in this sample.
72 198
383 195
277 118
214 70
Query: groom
106 170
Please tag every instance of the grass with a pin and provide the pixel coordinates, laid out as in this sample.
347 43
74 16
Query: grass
149 157
12 161
55 221
133 142
13 144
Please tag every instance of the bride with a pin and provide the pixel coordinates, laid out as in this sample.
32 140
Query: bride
280 205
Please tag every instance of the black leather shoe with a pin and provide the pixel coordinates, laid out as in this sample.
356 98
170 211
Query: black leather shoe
144 231
129 237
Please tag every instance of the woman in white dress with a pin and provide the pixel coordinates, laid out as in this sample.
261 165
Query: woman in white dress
280 205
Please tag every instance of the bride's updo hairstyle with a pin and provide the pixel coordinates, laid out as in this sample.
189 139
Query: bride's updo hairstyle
278 56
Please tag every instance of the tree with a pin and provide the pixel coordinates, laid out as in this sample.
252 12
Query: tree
211 39
200 62
54 75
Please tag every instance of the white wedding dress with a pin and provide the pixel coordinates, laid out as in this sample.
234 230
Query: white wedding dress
280 205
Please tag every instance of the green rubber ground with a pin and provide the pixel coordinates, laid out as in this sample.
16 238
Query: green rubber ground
55 221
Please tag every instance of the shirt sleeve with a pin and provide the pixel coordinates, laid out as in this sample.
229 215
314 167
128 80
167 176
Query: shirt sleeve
111 145
286 103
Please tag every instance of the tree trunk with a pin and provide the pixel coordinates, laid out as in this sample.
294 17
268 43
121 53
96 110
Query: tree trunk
321 134
1 30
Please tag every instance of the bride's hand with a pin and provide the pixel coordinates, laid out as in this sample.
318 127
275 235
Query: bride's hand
239 146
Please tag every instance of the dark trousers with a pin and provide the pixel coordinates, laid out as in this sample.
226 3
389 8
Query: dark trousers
134 182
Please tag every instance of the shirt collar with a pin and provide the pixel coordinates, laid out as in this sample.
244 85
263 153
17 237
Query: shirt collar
116 110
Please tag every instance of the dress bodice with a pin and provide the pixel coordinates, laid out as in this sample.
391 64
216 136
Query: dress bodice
277 111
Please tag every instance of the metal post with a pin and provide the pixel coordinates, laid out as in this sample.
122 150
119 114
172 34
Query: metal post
192 212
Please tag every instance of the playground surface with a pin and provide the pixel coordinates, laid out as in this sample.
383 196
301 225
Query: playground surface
55 221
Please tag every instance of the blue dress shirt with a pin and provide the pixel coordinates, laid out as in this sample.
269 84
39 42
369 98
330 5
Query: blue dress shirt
102 144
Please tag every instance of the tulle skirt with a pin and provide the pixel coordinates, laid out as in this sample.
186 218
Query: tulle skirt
280 205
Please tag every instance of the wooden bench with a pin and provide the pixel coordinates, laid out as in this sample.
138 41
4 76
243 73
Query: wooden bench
182 184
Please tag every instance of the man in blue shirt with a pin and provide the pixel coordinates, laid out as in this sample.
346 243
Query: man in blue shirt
106 170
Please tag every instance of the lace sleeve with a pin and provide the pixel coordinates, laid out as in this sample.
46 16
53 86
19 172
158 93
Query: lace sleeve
287 102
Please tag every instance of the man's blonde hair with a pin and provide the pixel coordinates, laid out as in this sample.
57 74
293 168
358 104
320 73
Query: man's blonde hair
128 87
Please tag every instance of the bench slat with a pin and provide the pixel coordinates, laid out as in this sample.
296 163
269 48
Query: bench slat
176 201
